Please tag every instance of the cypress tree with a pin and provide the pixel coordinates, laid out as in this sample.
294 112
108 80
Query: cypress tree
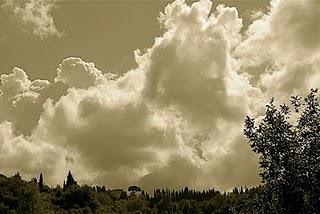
70 180
40 181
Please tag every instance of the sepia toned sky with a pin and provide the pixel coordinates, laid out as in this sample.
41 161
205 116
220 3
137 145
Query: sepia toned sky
151 93
105 32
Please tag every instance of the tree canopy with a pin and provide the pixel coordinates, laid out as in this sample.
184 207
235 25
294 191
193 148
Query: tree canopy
287 141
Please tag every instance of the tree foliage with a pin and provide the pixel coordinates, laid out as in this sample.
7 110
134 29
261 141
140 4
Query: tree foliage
19 196
288 145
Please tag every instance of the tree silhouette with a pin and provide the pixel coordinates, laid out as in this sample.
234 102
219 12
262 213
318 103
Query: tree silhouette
17 175
308 137
134 189
70 181
19 196
289 155
40 181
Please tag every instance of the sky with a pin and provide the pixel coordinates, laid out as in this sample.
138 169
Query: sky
149 93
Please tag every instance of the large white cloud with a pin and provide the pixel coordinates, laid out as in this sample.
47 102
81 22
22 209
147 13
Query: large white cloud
176 105
179 112
283 47
18 100
21 99
191 70
190 66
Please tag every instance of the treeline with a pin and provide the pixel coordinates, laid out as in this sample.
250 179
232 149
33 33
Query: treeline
20 196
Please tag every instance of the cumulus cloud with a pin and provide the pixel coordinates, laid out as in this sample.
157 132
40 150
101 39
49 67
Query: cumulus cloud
142 120
14 83
190 69
283 46
190 66
79 74
179 112
21 99
35 16
106 127
18 100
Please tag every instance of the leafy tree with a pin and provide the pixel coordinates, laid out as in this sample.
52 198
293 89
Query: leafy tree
308 129
289 155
